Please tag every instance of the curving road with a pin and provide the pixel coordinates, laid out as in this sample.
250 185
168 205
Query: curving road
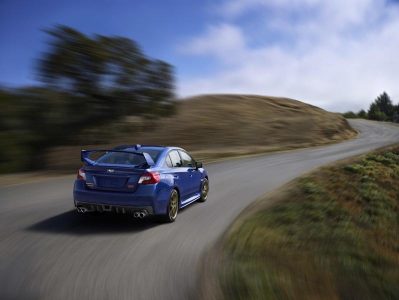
49 252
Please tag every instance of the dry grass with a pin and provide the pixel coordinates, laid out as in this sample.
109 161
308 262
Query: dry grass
332 234
220 126
220 121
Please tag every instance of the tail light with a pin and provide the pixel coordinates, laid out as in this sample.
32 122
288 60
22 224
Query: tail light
150 178
81 174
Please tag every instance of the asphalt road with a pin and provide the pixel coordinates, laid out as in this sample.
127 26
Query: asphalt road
47 251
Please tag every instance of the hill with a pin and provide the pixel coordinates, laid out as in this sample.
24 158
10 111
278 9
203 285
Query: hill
239 122
217 126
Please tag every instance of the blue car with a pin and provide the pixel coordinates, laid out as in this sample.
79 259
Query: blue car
141 180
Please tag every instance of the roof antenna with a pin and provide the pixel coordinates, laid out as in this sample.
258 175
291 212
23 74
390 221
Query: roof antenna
137 146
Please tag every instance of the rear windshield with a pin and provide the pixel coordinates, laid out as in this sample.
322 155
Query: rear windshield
121 158
125 158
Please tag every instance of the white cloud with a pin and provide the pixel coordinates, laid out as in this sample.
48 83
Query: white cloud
217 41
335 54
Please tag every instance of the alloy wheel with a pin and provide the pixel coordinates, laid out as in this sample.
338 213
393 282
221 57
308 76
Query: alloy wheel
173 205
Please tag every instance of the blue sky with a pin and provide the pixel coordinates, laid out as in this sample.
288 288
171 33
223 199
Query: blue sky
158 26
335 54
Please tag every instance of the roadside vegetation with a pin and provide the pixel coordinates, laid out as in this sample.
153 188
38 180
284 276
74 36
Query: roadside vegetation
333 234
83 82
382 109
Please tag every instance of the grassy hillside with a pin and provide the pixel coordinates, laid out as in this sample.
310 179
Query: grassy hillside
239 120
333 234
215 126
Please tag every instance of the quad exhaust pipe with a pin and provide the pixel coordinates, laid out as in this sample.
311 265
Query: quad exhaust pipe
81 209
140 214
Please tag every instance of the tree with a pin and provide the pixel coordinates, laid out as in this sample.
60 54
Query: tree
87 81
111 73
362 114
350 115
382 108
396 114
375 113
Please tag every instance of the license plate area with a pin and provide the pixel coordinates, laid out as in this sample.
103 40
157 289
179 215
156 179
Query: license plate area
111 182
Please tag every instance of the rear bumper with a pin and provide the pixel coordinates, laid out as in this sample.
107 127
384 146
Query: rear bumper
151 198
90 207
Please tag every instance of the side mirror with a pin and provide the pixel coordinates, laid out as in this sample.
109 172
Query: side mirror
198 165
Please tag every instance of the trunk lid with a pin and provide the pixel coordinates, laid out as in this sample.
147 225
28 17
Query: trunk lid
111 178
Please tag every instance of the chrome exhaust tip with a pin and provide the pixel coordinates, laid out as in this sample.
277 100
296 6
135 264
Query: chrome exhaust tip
81 210
140 214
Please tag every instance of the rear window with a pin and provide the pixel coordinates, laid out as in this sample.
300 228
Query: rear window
175 158
126 158
169 162
121 158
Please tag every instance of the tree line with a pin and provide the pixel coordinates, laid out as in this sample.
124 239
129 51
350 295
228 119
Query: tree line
381 109
83 81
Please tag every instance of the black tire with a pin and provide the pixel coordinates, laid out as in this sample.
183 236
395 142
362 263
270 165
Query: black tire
172 209
204 190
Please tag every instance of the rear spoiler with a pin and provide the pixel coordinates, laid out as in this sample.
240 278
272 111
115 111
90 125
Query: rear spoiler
84 156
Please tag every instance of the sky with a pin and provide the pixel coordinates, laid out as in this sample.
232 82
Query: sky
339 55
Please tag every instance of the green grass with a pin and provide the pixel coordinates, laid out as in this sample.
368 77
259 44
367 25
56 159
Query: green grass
333 235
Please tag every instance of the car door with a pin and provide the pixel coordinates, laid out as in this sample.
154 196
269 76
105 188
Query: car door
180 175
194 176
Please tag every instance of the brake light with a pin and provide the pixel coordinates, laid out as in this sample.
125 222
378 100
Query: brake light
81 174
150 178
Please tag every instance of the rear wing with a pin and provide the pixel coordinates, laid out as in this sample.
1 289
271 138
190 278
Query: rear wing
85 156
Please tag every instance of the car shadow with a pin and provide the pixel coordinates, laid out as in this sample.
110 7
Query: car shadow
71 222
